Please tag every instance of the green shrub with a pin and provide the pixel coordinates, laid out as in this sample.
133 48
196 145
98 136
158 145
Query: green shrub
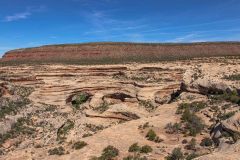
235 136
192 156
144 126
108 153
134 148
94 128
64 129
80 99
226 134
207 142
234 77
50 108
194 124
151 135
193 107
56 151
102 108
19 128
192 144
79 145
227 115
146 149
147 104
158 140
175 155
12 107
135 157
173 128
228 96
226 106
86 135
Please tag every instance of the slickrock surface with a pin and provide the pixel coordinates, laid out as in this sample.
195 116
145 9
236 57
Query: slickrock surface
59 105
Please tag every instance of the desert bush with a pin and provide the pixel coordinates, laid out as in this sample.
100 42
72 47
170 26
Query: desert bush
233 77
134 148
139 77
226 115
134 157
173 128
226 134
12 107
94 128
175 155
191 156
50 108
193 107
86 135
108 153
56 151
144 126
19 128
146 149
79 145
151 135
226 106
102 108
64 129
192 144
194 124
21 91
228 96
147 104
207 142
235 136
158 140
215 108
80 98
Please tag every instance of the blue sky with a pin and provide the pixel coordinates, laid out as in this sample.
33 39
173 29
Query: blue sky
27 23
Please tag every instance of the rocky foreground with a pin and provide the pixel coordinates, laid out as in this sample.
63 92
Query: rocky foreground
166 110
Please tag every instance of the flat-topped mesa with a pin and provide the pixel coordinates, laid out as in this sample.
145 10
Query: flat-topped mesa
124 50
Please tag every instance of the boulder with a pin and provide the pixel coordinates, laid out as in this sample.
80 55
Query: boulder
163 97
231 152
231 126
206 86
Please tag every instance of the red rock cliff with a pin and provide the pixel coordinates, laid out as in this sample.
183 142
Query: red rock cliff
123 50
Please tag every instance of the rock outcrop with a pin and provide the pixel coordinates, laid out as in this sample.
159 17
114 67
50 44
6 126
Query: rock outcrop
231 126
230 152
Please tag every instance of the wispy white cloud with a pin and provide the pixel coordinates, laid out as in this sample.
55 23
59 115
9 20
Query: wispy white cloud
17 16
118 29
53 37
156 29
184 38
5 48
23 15
103 22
